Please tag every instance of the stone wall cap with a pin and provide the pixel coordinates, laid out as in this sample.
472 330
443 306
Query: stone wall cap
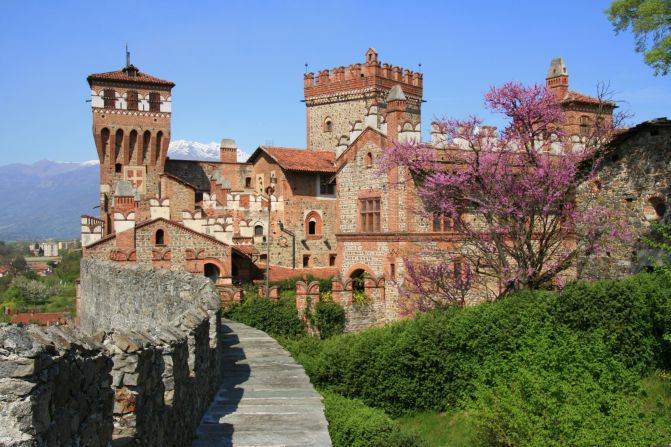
396 94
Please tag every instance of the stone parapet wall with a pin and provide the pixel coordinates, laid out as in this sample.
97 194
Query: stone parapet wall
146 386
133 297
54 388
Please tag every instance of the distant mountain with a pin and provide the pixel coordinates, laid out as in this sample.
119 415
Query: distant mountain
192 150
45 199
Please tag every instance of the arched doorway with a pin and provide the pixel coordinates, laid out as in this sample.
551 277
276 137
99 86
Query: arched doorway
357 277
211 272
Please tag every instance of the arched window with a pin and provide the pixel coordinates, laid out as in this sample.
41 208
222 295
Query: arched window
131 100
118 140
132 146
109 98
211 272
328 125
258 230
658 205
358 284
146 138
154 102
105 141
159 141
369 160
313 225
160 237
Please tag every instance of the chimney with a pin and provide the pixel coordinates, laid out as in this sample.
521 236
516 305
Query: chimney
557 78
228 151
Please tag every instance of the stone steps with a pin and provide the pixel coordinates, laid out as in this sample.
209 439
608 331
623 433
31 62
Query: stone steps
265 399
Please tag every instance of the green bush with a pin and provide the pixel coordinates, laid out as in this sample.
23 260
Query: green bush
560 389
427 363
632 314
329 319
290 283
353 424
433 361
278 319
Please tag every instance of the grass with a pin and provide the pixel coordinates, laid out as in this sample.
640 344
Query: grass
657 396
455 429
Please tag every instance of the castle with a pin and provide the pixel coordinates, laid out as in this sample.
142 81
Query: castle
320 210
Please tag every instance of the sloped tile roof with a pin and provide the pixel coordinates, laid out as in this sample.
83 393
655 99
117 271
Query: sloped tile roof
123 75
579 97
299 159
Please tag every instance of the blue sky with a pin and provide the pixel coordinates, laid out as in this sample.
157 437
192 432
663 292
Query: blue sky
239 65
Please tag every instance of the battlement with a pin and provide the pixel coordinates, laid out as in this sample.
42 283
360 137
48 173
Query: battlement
370 74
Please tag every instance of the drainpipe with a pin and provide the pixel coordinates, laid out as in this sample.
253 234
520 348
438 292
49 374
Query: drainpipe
293 242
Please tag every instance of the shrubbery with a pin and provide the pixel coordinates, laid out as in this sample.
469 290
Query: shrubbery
329 318
278 319
353 424
537 368
290 283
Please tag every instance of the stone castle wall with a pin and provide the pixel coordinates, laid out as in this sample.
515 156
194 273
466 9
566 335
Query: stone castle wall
144 378
133 297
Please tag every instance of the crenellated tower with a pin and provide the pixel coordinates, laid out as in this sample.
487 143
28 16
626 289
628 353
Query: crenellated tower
343 101
131 129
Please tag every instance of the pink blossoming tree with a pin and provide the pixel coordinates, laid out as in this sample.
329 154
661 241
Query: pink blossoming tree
510 198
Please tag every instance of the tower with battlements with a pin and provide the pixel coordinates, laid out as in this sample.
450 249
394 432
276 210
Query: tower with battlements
343 101
131 129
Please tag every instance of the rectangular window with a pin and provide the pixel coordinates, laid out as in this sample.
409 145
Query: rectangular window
109 98
441 223
392 272
326 188
332 260
132 100
370 215
306 261
154 102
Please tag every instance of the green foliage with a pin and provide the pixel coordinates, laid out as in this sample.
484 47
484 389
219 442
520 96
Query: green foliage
278 319
360 298
632 315
559 389
428 363
290 283
650 21
353 424
68 269
29 292
536 368
329 318
454 429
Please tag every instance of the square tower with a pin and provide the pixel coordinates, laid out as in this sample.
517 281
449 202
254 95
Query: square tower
342 101
131 129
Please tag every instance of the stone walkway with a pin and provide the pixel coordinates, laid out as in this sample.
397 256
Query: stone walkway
266 399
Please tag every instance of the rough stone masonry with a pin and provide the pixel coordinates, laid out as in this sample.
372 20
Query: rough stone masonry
145 379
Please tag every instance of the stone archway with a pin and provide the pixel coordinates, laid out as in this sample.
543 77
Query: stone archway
212 272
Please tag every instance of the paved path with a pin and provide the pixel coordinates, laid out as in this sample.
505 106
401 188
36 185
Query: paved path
266 399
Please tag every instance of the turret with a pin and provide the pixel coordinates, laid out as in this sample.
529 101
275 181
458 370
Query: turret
336 99
557 78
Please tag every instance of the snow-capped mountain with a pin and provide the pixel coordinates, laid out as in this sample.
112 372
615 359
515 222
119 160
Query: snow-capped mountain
46 198
193 150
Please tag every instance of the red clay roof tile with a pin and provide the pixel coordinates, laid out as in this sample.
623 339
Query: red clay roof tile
299 159
124 75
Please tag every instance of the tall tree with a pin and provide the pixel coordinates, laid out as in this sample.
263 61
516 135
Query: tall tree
650 21
509 197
